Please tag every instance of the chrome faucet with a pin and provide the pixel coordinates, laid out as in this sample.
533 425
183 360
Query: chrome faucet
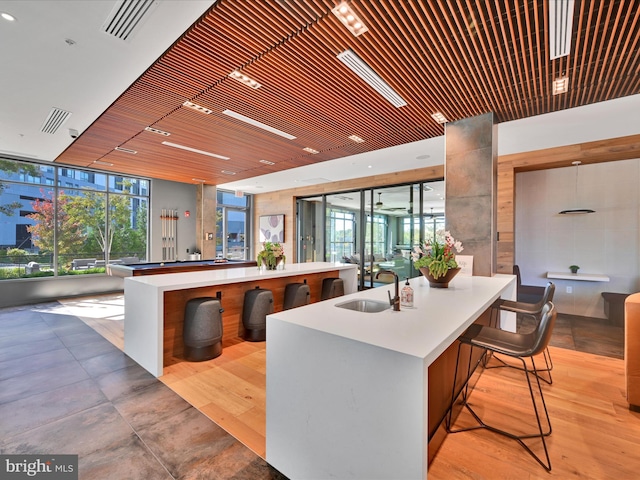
395 301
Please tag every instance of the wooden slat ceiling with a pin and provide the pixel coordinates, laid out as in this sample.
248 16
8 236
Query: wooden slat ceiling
459 57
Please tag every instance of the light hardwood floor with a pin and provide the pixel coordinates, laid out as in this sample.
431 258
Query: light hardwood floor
595 436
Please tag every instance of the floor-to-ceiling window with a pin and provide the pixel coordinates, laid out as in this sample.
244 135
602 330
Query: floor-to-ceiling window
232 226
60 220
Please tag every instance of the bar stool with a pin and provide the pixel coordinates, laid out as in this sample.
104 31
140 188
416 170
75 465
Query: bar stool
202 331
531 310
331 288
296 295
516 345
258 303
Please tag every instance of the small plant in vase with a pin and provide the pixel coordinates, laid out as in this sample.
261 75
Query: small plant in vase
271 254
436 258
574 268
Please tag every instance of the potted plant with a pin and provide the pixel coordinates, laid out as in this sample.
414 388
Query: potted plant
574 268
270 255
436 258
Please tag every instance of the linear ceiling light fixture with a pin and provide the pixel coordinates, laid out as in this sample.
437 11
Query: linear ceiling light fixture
256 123
310 150
102 162
8 17
364 71
560 85
126 150
350 20
439 117
155 130
560 26
194 150
267 162
356 138
245 79
576 211
197 107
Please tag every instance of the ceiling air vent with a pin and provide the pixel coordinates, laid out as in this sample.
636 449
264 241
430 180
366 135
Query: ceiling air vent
127 16
55 120
560 26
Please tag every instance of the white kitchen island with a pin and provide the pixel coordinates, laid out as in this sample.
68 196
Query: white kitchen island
145 305
347 392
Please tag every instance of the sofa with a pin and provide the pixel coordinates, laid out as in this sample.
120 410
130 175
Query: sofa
632 350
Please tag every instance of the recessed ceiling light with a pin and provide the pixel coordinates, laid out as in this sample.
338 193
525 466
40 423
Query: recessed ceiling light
228 172
356 138
267 162
256 123
310 150
246 79
8 17
371 78
194 150
560 85
155 130
126 150
347 16
197 107
439 117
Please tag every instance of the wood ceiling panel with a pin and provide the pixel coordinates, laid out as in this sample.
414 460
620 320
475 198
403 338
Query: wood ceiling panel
458 57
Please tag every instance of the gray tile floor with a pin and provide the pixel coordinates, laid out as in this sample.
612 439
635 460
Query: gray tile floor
64 389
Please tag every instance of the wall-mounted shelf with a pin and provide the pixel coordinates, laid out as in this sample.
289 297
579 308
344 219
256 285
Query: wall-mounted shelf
582 277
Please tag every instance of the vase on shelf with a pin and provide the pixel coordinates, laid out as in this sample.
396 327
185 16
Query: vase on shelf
440 282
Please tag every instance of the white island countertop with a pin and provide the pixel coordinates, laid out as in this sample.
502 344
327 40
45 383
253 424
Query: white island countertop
438 317
348 392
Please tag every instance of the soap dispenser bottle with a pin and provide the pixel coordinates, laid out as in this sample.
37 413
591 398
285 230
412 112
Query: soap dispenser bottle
406 295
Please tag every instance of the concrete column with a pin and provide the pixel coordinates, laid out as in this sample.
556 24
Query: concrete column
206 198
470 188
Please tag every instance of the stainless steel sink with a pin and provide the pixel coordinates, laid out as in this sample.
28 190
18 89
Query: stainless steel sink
364 305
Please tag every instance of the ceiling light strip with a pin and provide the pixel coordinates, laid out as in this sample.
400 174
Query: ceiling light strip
311 150
256 123
560 27
194 150
267 162
356 138
126 150
360 68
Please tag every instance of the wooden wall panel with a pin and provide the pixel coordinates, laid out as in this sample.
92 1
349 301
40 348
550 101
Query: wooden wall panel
232 302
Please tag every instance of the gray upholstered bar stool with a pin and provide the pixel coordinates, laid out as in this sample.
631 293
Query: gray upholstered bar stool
258 303
296 295
202 330
331 288
519 346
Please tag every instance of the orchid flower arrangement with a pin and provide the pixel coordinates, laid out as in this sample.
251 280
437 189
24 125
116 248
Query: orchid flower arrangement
438 255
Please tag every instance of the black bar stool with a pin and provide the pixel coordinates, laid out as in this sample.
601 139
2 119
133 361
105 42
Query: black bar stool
331 288
202 330
258 303
531 310
296 295
516 345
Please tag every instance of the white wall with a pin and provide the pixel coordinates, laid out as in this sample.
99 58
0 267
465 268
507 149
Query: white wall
605 242
176 196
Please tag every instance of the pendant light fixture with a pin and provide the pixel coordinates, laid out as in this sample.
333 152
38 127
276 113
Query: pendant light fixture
576 211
